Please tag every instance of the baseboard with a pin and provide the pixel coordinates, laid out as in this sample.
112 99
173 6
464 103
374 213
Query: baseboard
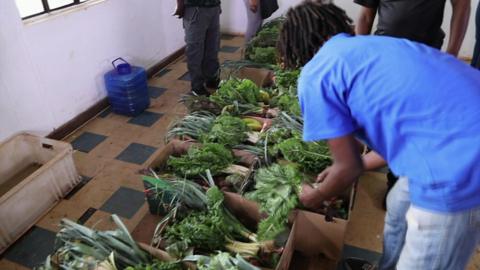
165 62
80 120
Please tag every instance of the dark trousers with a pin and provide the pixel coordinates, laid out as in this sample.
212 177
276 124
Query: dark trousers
476 52
202 35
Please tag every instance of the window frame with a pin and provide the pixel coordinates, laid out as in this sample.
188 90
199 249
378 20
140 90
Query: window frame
47 9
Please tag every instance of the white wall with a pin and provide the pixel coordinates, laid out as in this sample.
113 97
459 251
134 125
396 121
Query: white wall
234 12
51 71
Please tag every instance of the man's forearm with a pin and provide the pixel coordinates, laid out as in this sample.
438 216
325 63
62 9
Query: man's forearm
458 25
365 21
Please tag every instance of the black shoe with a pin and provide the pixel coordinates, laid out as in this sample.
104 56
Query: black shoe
357 264
213 83
201 92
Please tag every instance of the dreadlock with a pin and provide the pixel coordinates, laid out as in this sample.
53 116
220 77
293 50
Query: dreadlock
307 27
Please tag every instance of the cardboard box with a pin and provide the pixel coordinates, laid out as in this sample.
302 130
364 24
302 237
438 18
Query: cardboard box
319 235
260 76
315 241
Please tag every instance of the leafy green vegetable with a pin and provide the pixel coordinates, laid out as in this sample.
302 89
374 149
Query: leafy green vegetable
221 261
79 247
285 78
212 156
213 229
267 55
289 104
313 157
227 130
158 265
235 90
193 125
276 190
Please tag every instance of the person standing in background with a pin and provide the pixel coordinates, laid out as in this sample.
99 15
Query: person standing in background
254 18
201 21
476 52
416 20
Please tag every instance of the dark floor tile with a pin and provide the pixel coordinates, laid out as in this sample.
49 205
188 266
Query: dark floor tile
78 187
105 113
146 119
125 202
162 72
86 216
227 37
229 49
87 141
185 77
155 92
32 249
136 153
355 252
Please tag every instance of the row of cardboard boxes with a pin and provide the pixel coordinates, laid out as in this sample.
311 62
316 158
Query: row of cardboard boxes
315 240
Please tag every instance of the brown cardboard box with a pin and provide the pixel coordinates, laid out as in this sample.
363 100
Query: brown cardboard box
260 76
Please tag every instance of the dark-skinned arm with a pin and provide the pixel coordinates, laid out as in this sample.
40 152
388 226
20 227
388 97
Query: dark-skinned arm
458 25
346 168
365 21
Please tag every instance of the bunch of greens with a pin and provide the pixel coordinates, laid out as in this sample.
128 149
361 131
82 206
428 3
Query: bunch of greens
313 157
267 36
264 55
212 156
289 104
213 229
79 247
158 265
193 125
276 190
221 261
173 195
236 90
227 130
286 78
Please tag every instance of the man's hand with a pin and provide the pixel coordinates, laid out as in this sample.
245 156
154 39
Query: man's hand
253 5
321 176
310 197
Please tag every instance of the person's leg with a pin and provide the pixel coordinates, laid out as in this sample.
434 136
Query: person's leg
476 52
398 202
212 46
439 240
195 25
254 21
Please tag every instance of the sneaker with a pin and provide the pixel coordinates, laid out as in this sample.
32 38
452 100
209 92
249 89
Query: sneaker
357 264
200 92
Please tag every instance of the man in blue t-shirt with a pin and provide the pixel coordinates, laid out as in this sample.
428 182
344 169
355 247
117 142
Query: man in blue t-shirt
414 105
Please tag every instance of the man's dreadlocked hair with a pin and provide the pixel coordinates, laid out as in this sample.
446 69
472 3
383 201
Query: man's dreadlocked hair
307 27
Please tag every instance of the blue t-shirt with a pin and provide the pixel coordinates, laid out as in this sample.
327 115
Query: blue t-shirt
416 106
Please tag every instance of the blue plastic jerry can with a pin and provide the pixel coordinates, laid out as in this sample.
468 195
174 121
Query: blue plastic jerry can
127 88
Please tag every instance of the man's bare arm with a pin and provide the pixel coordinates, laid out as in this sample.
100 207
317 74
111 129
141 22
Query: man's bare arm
458 25
365 21
346 168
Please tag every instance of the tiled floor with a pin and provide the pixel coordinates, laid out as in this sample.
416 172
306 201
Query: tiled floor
111 149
